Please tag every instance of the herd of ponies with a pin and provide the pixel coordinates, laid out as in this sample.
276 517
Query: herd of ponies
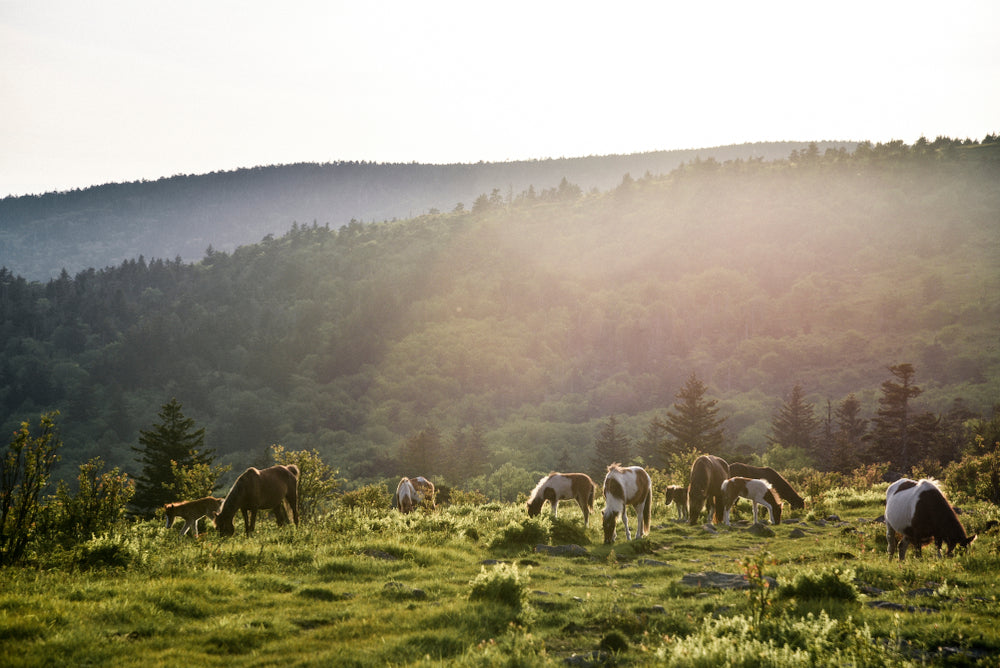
916 511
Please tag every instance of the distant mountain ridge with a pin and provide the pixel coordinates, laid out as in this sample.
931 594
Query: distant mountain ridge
182 216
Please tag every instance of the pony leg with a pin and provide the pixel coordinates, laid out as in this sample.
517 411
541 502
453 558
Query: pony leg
293 500
628 533
586 513
555 507
754 504
891 540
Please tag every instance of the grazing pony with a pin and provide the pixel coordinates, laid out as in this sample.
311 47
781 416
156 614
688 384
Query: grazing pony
778 483
758 491
556 487
267 489
707 475
624 486
917 512
411 492
678 496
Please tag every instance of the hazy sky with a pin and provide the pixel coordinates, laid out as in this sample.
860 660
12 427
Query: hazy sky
120 90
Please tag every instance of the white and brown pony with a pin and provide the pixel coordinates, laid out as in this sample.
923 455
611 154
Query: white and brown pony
778 482
267 489
759 492
917 512
556 487
411 492
627 486
678 495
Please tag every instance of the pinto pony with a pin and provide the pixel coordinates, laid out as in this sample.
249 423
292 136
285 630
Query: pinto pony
624 486
556 487
707 475
255 489
411 492
678 496
778 483
917 512
758 491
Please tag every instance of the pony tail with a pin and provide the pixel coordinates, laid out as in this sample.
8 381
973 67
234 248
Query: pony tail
647 511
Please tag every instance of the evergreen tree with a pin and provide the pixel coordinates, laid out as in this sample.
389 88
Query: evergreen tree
172 446
795 424
693 423
421 453
849 435
612 446
893 425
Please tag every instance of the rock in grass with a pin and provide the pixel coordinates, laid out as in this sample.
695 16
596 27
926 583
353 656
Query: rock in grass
562 550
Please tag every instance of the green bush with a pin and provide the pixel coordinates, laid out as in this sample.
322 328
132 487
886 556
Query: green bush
832 583
106 551
527 532
503 583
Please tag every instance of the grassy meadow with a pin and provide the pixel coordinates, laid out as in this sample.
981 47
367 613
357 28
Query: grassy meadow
465 585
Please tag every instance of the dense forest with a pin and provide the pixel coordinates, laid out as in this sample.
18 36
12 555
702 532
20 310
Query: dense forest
181 216
514 330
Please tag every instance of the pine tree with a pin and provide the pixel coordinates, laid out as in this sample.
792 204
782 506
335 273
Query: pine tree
172 445
421 453
694 423
795 423
612 446
849 435
893 424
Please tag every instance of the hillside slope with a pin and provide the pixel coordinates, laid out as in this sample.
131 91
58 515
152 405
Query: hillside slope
182 216
533 319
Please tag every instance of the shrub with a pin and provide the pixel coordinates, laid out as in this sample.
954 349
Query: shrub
24 473
98 505
503 583
833 583
367 498
530 531
105 551
317 481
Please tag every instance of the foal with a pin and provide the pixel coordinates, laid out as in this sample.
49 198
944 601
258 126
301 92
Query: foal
758 491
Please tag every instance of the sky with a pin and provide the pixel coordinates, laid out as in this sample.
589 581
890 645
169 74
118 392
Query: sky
101 91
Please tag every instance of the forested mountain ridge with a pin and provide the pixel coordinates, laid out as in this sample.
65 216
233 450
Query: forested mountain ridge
182 216
531 318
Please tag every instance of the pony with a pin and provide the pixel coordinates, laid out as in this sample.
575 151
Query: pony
778 483
256 489
757 490
632 486
917 512
678 495
411 492
556 487
192 511
707 475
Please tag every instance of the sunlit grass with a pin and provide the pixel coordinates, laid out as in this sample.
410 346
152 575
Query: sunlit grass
383 589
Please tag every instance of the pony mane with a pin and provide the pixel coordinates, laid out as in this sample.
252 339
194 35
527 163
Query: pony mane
541 484
616 468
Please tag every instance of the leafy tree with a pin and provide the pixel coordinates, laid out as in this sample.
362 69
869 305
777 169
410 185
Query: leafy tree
318 482
171 444
794 425
893 430
24 473
612 446
468 456
97 506
693 423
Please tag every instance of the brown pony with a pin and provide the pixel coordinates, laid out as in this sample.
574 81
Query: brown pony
254 490
707 475
556 487
678 496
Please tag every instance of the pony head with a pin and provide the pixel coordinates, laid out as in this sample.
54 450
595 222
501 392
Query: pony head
535 505
610 524
223 522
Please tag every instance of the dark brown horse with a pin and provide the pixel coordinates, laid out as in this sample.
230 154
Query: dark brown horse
254 490
780 485
707 475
